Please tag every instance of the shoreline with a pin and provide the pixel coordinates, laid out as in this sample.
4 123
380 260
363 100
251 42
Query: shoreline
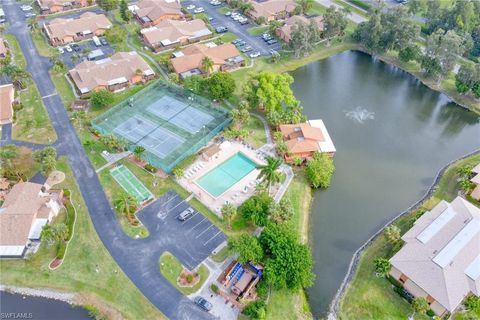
47 293
353 266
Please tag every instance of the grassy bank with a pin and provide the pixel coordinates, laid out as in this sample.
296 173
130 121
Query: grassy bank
371 297
109 289
256 136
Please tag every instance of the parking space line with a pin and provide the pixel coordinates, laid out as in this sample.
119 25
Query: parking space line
198 223
200 234
219 232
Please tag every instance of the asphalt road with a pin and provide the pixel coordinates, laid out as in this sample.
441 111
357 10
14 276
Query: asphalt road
137 258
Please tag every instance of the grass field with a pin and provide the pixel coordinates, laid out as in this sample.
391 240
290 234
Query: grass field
256 131
370 297
171 268
256 31
109 289
130 183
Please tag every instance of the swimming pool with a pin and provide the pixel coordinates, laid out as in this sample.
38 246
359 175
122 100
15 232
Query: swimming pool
224 176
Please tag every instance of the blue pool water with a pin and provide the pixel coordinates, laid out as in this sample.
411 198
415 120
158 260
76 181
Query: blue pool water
225 175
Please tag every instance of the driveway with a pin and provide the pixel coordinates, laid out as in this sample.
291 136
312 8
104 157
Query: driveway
233 26
137 258
354 17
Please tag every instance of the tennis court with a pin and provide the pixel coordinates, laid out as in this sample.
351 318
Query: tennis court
130 183
170 122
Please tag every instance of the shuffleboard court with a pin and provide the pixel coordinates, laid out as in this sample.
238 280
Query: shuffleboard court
130 183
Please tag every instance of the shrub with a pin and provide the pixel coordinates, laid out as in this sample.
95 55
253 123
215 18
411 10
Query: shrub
180 168
319 170
61 247
262 289
150 168
178 172
102 98
189 278
255 310
66 193
430 313
472 303
70 220
214 288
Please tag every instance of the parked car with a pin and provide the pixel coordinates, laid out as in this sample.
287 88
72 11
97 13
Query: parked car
273 52
272 41
221 29
103 41
199 10
228 13
240 43
29 14
68 48
243 21
204 304
254 54
76 47
246 49
191 7
26 8
266 36
96 41
187 213
60 49
236 41
2 20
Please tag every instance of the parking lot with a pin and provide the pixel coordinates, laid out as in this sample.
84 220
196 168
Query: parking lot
81 53
192 240
220 20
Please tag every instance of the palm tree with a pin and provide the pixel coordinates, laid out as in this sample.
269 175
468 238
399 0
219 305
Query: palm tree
274 25
246 7
207 65
305 5
17 74
138 152
269 173
239 116
228 212
125 203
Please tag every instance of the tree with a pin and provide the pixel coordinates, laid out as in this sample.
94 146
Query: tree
305 5
467 77
382 266
207 65
270 91
18 75
107 5
220 85
282 211
228 212
248 249
138 152
335 22
239 116
124 12
255 310
417 6
256 208
116 34
112 143
445 47
431 66
319 170
125 203
47 159
246 7
392 233
195 83
274 25
269 173
302 41
16 162
289 263
409 53
420 305
102 98
54 233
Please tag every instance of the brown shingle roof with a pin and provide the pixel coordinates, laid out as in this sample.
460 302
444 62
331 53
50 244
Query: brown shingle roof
51 3
171 31
89 75
154 9
7 93
271 7
194 54
60 28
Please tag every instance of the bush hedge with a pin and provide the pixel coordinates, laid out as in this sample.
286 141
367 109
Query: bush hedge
361 4
62 246
180 168
150 168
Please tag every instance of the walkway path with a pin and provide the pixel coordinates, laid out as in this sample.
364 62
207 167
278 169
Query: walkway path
114 158
137 258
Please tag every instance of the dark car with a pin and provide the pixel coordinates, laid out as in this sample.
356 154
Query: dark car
204 304
272 41
246 49
187 213
103 41
221 29
240 44
76 47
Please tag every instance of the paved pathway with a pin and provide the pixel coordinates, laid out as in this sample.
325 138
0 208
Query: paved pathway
354 17
137 258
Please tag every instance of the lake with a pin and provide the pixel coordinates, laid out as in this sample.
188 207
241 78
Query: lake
392 135
16 306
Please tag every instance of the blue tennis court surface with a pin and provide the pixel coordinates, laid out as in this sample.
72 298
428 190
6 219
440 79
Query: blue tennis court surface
225 175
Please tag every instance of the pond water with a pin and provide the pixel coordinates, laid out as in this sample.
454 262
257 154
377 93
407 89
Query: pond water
392 135
16 306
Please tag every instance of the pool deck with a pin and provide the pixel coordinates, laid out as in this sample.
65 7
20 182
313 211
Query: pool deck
238 193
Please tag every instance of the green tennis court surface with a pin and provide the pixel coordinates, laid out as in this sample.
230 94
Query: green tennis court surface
130 183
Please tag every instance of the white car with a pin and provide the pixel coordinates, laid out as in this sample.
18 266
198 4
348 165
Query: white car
228 13
254 54
191 7
29 14
68 48
60 49
199 10
26 8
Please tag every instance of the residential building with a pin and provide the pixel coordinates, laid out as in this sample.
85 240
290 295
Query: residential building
285 32
61 31
188 62
7 96
271 9
172 33
440 259
304 139
152 12
3 48
27 208
53 6
114 74
476 180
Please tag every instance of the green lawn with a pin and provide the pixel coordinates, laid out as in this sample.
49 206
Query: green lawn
221 255
109 289
64 88
17 55
256 31
228 37
370 297
256 131
32 121
41 42
223 10
350 7
317 9
171 268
